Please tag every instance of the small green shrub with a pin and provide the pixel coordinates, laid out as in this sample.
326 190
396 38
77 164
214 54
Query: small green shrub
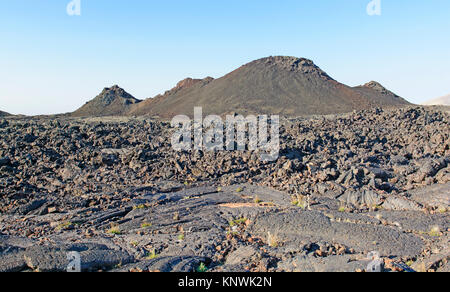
435 231
139 207
238 222
114 229
152 255
202 268
64 226
146 225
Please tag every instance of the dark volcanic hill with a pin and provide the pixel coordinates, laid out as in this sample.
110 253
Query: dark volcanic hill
275 85
183 87
4 114
376 93
110 102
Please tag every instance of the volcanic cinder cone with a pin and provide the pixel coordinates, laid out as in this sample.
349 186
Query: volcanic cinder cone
110 102
287 86
4 114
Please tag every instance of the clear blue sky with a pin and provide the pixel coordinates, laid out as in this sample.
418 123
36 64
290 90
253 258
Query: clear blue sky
51 62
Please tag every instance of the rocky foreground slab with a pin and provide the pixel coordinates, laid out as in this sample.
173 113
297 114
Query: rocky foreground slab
236 228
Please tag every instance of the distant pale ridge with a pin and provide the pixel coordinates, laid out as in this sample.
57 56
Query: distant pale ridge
445 100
